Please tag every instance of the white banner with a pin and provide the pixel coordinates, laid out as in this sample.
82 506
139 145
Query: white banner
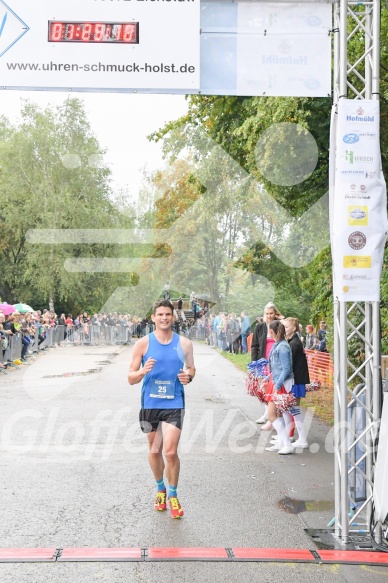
359 204
280 64
100 45
214 47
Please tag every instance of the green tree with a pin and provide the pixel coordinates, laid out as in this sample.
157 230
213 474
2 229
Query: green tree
53 177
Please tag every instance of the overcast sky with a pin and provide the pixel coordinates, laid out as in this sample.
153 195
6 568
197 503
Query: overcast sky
121 122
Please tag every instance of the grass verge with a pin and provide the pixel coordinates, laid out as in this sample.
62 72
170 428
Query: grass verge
322 400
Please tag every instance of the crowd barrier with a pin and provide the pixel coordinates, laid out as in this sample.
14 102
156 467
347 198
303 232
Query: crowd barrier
97 335
321 368
197 332
64 336
13 352
320 363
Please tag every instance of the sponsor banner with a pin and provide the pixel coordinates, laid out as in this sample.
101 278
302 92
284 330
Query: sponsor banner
255 17
259 48
95 44
167 46
273 64
358 210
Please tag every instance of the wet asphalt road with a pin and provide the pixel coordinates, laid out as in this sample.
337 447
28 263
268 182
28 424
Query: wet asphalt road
74 473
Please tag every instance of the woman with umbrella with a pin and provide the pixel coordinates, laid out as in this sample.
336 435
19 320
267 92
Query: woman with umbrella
7 309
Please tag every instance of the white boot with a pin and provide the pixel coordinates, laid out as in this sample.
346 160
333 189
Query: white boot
281 430
301 442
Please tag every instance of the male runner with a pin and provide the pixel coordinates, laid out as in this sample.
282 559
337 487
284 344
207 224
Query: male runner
167 365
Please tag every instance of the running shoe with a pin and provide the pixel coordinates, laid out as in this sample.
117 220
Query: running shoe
160 501
175 507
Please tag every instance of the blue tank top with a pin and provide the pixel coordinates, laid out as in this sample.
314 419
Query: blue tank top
161 387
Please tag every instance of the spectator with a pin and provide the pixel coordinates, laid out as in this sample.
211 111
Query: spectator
322 337
262 343
245 331
232 332
311 340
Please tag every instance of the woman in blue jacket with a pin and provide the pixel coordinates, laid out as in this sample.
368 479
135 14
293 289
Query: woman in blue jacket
280 381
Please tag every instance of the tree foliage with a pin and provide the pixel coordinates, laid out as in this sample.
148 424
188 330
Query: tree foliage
52 176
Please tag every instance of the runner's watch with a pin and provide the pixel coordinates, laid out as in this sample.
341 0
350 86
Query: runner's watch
190 377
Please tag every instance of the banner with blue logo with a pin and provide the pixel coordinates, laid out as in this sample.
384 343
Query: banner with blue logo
358 210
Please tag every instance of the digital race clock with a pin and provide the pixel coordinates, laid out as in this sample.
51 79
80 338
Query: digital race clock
93 32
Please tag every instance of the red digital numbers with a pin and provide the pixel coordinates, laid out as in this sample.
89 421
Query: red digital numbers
70 32
99 30
129 35
94 32
56 31
87 31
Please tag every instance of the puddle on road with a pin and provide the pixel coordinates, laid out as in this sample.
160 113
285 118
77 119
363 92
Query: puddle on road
217 399
73 374
293 506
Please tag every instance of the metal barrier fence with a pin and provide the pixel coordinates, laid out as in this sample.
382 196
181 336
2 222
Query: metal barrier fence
46 338
197 332
13 351
97 335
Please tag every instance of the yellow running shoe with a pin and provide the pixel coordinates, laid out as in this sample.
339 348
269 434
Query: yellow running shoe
175 508
160 501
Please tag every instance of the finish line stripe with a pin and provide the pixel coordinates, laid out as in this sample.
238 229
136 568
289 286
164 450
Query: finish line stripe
231 555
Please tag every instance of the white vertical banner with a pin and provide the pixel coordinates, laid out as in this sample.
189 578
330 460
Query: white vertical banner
359 203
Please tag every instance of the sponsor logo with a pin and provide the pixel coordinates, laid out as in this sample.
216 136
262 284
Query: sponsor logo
365 118
12 28
350 138
352 158
345 288
352 276
361 187
285 47
357 261
287 60
357 240
358 215
352 172
369 135
313 20
357 196
312 83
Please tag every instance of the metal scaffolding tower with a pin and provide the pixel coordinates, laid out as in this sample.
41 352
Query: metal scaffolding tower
357 381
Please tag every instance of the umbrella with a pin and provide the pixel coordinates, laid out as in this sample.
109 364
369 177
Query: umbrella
7 309
22 308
